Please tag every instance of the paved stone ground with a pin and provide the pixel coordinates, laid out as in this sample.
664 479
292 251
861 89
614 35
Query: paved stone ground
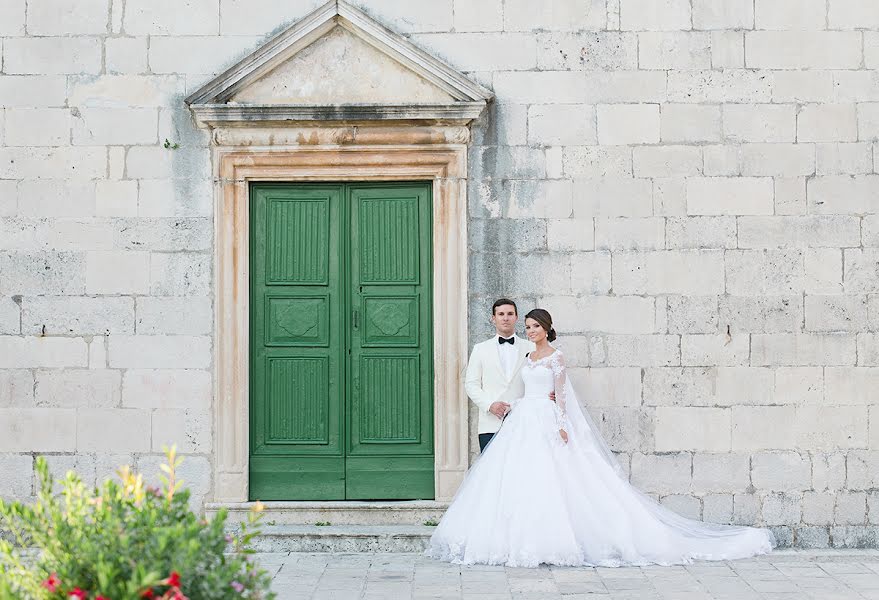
783 575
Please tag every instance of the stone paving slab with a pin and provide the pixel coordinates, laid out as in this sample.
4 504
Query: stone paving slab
783 575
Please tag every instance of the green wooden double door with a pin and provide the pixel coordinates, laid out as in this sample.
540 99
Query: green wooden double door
341 387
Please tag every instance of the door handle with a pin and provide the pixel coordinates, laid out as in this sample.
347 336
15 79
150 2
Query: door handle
356 318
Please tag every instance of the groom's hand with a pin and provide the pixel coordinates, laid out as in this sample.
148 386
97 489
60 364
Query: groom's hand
499 409
552 395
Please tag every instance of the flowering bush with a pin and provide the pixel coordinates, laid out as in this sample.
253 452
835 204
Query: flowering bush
123 541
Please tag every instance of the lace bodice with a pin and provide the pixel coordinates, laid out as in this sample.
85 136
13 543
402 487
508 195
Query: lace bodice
545 375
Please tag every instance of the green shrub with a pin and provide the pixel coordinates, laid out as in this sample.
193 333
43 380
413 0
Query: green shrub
123 541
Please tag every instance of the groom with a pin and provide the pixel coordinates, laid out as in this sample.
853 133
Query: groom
492 373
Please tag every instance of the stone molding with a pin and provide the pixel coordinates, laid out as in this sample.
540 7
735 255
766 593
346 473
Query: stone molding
212 103
230 114
361 153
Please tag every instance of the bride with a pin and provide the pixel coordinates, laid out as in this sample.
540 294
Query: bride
547 489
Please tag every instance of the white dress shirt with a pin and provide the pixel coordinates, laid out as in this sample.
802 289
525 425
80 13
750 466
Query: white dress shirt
508 356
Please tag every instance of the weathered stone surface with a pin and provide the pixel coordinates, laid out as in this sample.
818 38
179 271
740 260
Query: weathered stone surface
188 429
861 268
754 428
77 388
668 272
760 314
729 196
612 197
716 349
781 471
60 315
662 473
16 388
626 429
763 272
52 55
667 161
166 388
781 509
686 506
692 314
676 386
666 14
121 272
620 124
180 274
34 352
802 49
642 350
818 508
717 508
827 428
587 50
173 315
836 313
690 123
721 472
16 476
828 470
159 351
692 428
25 430
566 124
42 273
785 349
629 234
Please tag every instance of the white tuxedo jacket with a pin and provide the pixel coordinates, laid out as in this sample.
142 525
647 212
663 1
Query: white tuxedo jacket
487 382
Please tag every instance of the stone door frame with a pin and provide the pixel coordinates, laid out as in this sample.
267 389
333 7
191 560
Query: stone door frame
327 153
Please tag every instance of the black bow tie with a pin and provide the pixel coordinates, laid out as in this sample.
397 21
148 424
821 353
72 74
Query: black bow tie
502 340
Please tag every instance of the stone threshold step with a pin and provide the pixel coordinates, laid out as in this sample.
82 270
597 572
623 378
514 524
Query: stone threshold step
343 538
404 512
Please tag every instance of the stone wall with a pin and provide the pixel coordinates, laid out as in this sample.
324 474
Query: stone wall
687 185
690 189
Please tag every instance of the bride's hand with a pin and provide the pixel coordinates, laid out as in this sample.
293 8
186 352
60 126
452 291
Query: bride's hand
564 435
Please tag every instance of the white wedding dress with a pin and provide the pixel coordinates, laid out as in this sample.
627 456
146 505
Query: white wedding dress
531 499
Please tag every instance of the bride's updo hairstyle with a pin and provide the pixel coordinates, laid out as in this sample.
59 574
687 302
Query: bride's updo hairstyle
545 320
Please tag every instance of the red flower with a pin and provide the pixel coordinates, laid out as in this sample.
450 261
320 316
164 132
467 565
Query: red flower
173 579
102 598
78 593
52 583
148 594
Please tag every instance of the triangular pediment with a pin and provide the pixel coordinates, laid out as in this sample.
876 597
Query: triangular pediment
338 63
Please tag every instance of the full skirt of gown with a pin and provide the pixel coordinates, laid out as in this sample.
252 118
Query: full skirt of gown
531 499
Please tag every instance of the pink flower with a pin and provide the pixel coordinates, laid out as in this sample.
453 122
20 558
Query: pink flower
78 594
238 587
52 582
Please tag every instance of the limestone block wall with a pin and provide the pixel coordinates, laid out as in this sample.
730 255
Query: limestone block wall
690 189
689 186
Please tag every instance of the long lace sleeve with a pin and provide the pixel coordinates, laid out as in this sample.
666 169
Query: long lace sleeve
560 378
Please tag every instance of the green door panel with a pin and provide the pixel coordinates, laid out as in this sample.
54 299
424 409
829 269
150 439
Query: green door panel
341 348
297 363
390 416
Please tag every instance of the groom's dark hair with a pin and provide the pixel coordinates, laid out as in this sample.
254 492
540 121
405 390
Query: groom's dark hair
501 302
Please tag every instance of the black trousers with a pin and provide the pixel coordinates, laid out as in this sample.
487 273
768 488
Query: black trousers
484 439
